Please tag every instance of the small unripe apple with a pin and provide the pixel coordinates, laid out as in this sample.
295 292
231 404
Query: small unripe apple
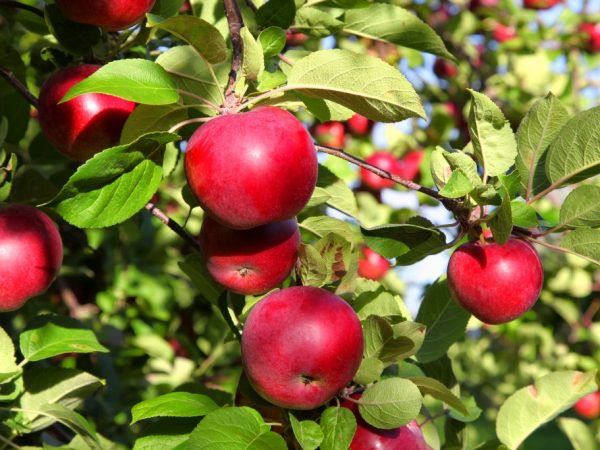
294 38
31 254
504 33
301 346
540 4
252 168
409 166
496 283
591 31
359 125
250 261
445 69
112 15
332 134
384 160
86 124
372 265
589 406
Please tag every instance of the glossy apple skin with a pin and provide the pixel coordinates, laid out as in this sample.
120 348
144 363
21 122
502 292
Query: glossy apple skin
367 437
383 160
301 346
410 164
504 33
589 406
31 254
86 124
445 69
359 125
250 261
372 265
496 283
332 134
540 4
112 15
592 32
253 168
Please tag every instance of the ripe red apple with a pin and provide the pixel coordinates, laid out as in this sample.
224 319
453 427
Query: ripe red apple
332 134
372 265
445 69
301 346
295 39
359 125
496 283
112 15
504 33
31 254
252 168
591 31
384 160
367 437
86 124
409 166
250 261
540 4
589 406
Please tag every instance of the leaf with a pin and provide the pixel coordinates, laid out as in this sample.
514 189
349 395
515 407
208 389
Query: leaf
581 208
321 226
166 434
201 35
279 13
381 343
580 435
585 242
473 411
136 80
235 428
390 403
76 422
340 196
493 140
253 61
532 406
113 185
444 319
316 22
148 118
523 214
458 185
575 154
308 433
393 24
336 252
501 222
272 41
8 362
369 371
175 404
75 37
195 268
430 386
49 335
339 426
313 269
365 84
538 129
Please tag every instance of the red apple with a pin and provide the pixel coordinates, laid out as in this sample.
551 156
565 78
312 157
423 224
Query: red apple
444 69
295 39
301 346
367 437
332 134
591 31
504 33
112 15
409 166
359 125
475 4
496 283
384 160
86 124
252 168
589 406
372 265
250 261
540 4
31 254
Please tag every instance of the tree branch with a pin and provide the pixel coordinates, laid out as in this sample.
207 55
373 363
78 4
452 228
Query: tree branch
9 76
23 6
178 229
235 21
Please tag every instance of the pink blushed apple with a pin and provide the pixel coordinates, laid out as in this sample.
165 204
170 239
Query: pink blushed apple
372 265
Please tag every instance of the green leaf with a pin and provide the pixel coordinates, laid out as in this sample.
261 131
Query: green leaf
381 342
339 426
47 336
115 184
393 24
581 208
336 252
308 433
575 154
195 268
501 222
8 362
580 435
175 404
321 226
137 80
200 34
365 84
316 22
537 131
523 214
390 403
532 406
440 168
75 37
272 41
430 386
377 302
369 371
458 185
585 242
444 319
279 13
253 61
167 8
313 269
339 195
166 434
493 140
235 428
473 411
148 118
325 110
76 422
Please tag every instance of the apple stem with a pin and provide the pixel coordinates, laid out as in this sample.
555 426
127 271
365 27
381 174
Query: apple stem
178 229
235 22
9 76
18 5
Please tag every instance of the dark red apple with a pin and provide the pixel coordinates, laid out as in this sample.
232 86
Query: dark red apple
301 346
86 124
250 261
332 134
359 125
591 31
409 166
112 15
504 33
476 4
367 437
294 38
384 160
540 4
589 406
496 283
445 69
372 265
31 254
252 168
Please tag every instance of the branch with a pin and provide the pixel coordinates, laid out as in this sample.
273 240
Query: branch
9 76
178 229
24 6
235 21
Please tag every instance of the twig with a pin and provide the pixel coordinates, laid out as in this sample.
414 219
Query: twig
76 309
235 21
563 250
285 59
183 123
178 229
9 76
23 6
9 443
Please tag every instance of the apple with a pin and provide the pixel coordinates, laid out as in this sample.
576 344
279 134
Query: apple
445 69
112 15
540 4
359 125
496 283
589 406
250 261
591 31
504 33
367 437
86 124
294 38
384 160
331 133
301 346
252 168
409 166
31 254
372 265
475 4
